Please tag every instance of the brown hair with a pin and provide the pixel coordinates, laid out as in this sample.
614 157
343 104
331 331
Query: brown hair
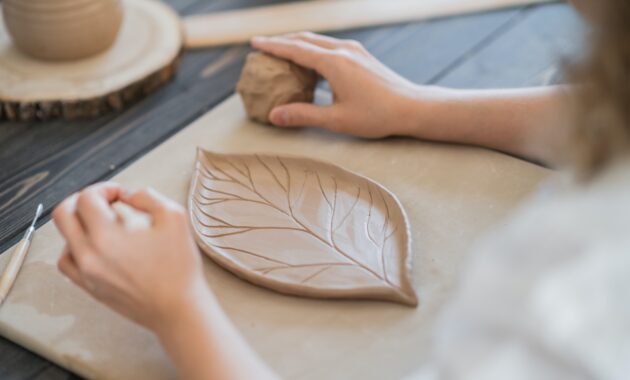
602 104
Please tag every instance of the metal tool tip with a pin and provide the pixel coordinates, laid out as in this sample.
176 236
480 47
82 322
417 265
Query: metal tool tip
40 209
38 213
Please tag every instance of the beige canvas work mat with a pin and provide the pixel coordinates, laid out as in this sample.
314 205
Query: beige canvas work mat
452 195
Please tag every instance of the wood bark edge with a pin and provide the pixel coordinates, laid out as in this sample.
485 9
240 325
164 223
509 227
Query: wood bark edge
115 101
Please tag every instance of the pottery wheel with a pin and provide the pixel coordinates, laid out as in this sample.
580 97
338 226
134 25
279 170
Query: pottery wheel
144 57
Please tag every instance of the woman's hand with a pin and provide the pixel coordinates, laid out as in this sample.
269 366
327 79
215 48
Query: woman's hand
370 100
153 276
145 274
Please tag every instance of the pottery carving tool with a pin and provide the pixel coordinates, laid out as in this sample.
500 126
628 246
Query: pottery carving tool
17 257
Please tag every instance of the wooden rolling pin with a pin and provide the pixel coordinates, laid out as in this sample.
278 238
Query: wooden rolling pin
239 26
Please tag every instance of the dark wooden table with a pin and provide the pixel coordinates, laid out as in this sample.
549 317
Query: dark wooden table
45 162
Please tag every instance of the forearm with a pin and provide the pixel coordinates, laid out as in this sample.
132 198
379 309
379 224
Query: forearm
530 123
204 344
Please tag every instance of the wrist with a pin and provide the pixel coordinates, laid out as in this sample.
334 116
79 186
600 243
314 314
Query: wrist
192 333
201 330
425 111
192 307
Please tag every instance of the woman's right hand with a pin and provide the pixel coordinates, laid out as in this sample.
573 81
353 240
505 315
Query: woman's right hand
370 100
149 275
153 275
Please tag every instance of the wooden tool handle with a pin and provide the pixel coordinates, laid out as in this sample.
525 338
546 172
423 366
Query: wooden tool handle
13 268
239 26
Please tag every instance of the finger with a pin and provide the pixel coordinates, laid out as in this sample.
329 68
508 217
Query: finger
302 115
110 191
69 268
69 225
320 40
151 202
94 206
327 42
301 52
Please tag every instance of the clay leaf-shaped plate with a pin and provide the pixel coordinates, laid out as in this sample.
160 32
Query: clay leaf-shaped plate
301 227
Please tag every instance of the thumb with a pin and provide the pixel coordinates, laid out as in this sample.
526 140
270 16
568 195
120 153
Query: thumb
301 115
151 202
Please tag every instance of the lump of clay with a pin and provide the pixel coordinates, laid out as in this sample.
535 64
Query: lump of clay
267 82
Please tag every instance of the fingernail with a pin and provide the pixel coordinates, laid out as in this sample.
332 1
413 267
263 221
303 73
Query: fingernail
257 39
279 117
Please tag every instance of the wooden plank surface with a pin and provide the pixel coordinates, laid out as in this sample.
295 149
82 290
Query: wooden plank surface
527 53
44 162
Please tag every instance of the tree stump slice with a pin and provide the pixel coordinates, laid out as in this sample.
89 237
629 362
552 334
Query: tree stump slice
143 58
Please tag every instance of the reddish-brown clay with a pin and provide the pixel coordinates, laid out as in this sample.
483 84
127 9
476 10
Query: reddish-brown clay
301 227
268 81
